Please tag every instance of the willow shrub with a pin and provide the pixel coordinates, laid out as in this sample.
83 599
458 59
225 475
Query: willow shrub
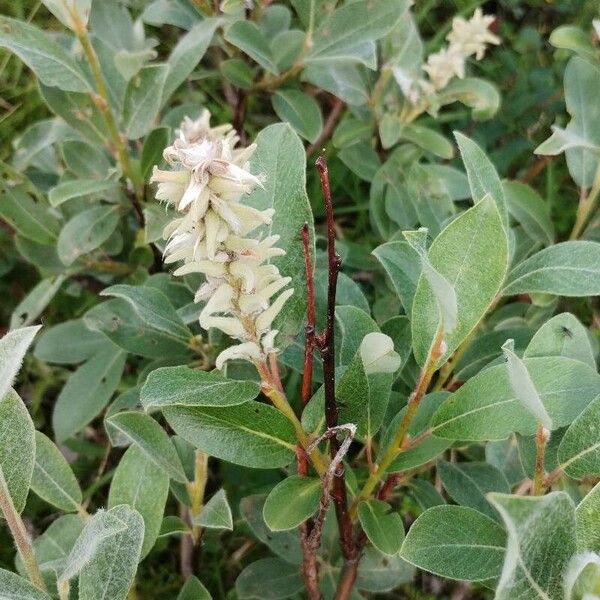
423 402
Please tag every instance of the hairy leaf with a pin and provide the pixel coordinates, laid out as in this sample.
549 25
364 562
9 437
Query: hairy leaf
151 439
140 485
456 542
53 480
541 541
565 269
472 254
181 386
17 448
486 408
250 434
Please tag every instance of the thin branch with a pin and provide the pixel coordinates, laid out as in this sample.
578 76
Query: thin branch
541 439
310 567
102 102
328 477
399 440
20 535
309 331
328 127
326 344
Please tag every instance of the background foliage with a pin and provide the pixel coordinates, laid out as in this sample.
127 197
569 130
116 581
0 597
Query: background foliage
77 245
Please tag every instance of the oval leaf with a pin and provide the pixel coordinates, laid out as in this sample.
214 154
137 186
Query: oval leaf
455 542
472 254
182 386
291 502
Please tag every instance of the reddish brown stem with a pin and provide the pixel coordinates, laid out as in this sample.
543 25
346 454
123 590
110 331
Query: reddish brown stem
326 344
328 127
309 343
310 565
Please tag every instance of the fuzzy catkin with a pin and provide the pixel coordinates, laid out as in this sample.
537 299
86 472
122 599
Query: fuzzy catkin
212 234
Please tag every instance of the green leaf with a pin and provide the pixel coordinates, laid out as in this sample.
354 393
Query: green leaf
187 54
17 447
47 59
570 37
30 218
152 440
53 480
541 541
123 325
345 32
579 450
165 12
69 342
379 572
87 391
403 267
173 526
353 324
587 515
182 386
216 513
522 386
530 210
300 110
13 347
428 139
70 106
61 9
193 590
472 254
285 544
361 159
291 502
249 39
562 335
86 231
84 160
152 152
345 80
153 308
442 289
455 542
269 579
382 524
425 493
428 449
140 485
112 570
16 588
485 407
77 188
485 350
281 159
479 94
238 72
582 87
562 140
250 434
142 100
32 306
565 269
467 483
99 529
483 177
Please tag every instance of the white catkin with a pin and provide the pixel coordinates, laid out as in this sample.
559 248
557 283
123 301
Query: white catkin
467 38
210 235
